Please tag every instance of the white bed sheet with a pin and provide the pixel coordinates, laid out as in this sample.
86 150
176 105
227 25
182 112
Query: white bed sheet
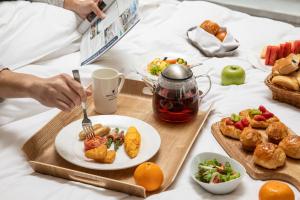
161 31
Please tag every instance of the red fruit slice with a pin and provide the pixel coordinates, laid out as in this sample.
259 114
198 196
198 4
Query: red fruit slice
293 47
229 122
273 55
239 125
297 47
268 53
287 49
262 108
268 115
245 122
259 118
280 53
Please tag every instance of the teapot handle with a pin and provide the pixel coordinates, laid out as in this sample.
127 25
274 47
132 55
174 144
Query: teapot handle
209 79
149 83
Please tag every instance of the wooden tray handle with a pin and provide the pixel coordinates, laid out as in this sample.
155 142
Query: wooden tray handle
88 180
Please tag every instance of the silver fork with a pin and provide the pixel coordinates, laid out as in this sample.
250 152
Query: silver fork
86 122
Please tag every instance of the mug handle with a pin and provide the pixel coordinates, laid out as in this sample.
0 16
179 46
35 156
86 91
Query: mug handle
209 79
121 82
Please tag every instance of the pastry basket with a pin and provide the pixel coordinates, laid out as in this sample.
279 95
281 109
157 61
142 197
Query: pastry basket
283 95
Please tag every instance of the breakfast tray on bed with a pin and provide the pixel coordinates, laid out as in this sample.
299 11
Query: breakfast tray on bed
176 141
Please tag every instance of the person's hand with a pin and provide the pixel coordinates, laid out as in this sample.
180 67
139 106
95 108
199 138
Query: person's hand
84 7
60 91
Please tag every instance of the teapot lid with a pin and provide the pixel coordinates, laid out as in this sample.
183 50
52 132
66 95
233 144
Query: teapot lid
177 72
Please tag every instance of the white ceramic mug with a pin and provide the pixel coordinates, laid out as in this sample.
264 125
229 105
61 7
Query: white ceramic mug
107 84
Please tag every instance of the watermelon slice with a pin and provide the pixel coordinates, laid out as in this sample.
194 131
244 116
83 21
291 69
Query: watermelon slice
297 46
273 55
267 57
287 49
280 53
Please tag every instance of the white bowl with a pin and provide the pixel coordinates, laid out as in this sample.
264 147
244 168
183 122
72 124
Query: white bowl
219 188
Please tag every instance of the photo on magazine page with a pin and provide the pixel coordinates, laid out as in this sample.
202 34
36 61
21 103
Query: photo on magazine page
102 35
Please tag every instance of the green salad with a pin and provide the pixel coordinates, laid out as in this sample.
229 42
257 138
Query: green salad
212 171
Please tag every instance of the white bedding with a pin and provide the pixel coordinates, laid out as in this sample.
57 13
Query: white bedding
160 32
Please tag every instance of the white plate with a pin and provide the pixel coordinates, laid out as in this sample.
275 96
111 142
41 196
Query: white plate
71 149
258 63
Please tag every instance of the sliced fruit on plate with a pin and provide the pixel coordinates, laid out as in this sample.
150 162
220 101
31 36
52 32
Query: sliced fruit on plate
281 50
287 49
273 55
297 47
267 57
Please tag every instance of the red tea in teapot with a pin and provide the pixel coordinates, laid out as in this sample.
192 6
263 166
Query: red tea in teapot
175 105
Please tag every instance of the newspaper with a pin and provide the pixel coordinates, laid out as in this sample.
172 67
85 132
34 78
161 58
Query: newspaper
121 16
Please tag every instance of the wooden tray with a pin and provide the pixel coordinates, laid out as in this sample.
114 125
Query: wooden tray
176 141
290 172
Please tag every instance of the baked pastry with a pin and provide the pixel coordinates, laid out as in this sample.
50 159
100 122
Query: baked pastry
221 35
291 146
210 27
287 82
297 76
287 65
233 126
269 156
259 118
276 131
250 138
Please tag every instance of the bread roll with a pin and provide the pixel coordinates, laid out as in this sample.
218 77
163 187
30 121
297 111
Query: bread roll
296 75
287 82
229 130
210 27
269 156
221 35
291 146
276 131
287 65
250 138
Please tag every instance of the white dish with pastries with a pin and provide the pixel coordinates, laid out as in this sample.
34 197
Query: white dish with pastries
71 148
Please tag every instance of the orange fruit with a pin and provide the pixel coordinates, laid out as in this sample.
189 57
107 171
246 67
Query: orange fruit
149 175
272 190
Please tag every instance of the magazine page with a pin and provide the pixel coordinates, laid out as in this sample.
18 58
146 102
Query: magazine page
121 16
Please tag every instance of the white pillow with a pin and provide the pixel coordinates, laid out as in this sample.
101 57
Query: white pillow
30 31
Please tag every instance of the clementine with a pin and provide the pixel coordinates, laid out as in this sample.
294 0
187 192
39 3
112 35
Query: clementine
272 190
149 175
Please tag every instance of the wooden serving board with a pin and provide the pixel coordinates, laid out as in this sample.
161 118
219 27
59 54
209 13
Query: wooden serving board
290 172
176 141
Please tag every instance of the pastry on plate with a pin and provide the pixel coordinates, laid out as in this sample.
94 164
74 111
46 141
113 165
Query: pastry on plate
276 131
259 118
291 146
233 126
250 138
287 82
287 65
210 27
269 155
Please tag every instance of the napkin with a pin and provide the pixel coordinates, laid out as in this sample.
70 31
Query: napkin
211 46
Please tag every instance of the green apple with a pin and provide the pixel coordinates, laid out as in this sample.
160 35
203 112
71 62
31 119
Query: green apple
233 75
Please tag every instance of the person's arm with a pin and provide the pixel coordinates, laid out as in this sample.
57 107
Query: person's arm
59 91
81 7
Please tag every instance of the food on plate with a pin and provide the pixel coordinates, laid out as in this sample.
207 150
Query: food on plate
98 154
221 35
116 138
99 130
233 126
212 171
272 53
276 131
259 118
94 142
210 27
110 157
250 138
291 146
233 75
269 155
214 29
132 142
156 66
276 190
287 82
149 175
285 66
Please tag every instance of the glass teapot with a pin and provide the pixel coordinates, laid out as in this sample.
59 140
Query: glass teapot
176 96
